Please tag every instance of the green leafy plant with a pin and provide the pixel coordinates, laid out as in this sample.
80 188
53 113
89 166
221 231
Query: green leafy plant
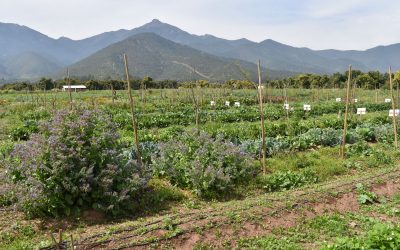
365 197
288 180
381 236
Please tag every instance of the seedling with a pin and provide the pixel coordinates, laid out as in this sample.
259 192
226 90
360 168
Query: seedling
366 197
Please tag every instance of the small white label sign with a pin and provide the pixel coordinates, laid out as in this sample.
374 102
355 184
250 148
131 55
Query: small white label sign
237 104
227 103
388 100
212 103
361 111
391 112
307 107
338 99
286 106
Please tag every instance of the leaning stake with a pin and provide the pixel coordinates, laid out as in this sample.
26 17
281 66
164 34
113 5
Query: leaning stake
393 108
260 92
345 115
139 155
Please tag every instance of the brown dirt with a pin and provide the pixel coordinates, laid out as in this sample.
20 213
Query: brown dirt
228 222
344 203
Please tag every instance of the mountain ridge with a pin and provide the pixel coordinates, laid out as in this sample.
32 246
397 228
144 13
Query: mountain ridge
17 39
160 58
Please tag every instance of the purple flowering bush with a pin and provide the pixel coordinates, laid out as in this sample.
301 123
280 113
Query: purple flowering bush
208 166
75 163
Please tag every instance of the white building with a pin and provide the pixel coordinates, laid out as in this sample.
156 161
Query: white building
74 88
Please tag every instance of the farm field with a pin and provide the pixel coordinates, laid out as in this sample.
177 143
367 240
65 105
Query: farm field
201 182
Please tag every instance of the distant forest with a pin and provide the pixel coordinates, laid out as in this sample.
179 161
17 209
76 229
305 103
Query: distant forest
365 80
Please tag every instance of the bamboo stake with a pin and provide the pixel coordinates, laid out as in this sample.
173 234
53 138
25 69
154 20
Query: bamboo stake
134 123
69 90
54 241
262 119
112 93
393 108
286 102
196 104
397 89
72 242
345 115
195 99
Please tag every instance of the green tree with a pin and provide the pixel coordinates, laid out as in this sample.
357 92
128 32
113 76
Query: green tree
45 83
365 81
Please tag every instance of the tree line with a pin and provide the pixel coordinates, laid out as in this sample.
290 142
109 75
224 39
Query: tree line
365 80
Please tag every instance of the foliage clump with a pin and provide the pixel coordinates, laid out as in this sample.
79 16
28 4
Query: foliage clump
288 180
381 236
74 163
208 166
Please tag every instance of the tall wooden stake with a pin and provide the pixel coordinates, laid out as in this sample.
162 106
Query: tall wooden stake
69 90
195 99
345 115
393 108
260 91
134 123
286 101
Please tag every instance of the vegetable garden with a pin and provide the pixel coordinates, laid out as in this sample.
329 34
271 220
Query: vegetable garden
200 173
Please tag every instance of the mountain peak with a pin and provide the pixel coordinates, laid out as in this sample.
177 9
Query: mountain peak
155 21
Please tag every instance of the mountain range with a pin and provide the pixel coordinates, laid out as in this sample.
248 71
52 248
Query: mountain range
163 51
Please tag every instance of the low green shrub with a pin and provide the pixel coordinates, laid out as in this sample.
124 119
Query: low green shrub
207 166
288 180
381 236
23 132
365 197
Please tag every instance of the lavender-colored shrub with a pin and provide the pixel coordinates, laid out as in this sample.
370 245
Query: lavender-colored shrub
75 163
207 166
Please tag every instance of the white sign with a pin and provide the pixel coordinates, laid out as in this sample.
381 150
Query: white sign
286 106
338 99
361 111
212 103
388 100
237 104
391 112
355 100
227 103
307 107
261 87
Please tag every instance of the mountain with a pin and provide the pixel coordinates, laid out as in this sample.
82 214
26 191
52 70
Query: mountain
378 58
17 41
153 55
29 65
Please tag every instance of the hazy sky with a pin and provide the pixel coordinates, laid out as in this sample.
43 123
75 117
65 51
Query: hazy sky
318 24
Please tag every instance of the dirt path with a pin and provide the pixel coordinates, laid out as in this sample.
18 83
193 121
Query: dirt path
191 69
229 221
